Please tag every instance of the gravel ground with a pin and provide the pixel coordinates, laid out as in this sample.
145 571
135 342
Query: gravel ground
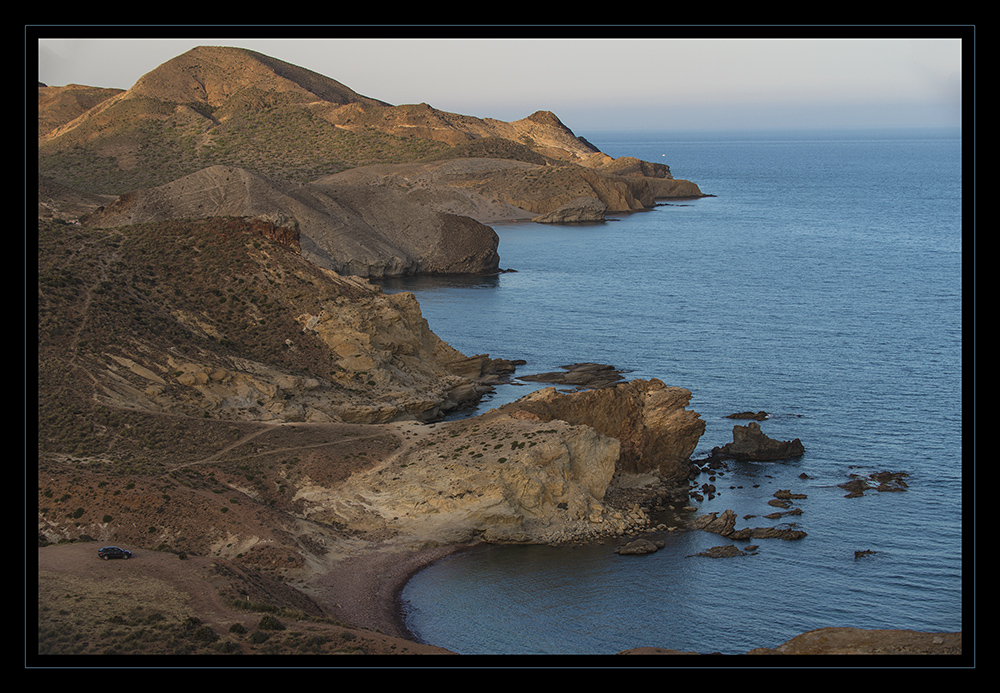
79 596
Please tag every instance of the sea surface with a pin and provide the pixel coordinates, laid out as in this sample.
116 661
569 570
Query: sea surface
822 283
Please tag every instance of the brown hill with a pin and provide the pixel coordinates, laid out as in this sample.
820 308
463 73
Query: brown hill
350 229
215 105
234 107
225 79
60 105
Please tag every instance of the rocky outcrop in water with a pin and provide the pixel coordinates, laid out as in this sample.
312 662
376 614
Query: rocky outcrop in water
750 443
727 551
884 482
582 376
640 547
725 525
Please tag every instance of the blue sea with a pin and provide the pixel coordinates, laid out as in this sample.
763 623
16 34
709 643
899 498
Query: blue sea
821 282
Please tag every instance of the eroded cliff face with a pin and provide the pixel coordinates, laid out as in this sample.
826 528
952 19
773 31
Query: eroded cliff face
650 419
494 478
388 366
540 470
356 230
495 189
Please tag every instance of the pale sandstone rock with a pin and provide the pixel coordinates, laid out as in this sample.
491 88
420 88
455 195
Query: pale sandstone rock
497 478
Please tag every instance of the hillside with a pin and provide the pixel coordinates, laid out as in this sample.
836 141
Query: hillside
214 383
216 106
60 105
205 392
360 230
225 318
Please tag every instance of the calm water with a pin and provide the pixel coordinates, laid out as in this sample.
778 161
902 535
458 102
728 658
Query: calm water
821 284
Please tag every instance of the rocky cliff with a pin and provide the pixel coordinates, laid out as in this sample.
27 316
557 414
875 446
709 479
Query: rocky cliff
223 107
349 229
650 420
224 318
492 189
494 478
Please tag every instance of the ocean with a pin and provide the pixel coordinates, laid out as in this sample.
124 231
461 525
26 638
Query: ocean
822 282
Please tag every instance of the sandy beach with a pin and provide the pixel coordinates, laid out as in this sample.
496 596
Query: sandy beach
364 590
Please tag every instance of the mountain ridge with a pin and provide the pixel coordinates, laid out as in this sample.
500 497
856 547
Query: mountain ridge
230 106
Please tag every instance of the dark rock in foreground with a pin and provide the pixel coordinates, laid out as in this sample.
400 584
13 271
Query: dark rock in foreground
725 525
580 375
756 415
750 443
640 547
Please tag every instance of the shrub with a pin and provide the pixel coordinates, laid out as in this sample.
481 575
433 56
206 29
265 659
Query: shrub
205 634
269 622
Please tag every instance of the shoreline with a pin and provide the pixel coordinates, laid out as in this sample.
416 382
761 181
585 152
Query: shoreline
364 590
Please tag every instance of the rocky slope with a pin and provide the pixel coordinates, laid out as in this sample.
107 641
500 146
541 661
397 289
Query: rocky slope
214 326
349 229
60 105
413 168
224 318
494 189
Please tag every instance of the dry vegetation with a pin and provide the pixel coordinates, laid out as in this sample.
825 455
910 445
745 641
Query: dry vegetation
144 142
162 603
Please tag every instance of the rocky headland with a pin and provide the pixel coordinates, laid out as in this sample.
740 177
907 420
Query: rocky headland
350 229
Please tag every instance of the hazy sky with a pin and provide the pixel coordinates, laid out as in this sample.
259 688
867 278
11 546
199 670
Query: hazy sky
595 84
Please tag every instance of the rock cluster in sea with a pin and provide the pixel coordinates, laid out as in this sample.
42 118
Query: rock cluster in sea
751 443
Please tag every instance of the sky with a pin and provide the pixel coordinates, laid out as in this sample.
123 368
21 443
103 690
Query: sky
592 84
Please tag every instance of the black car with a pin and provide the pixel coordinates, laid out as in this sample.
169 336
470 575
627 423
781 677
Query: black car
107 552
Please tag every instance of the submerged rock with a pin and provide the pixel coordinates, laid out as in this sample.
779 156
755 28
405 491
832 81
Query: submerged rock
759 415
640 547
728 551
580 375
